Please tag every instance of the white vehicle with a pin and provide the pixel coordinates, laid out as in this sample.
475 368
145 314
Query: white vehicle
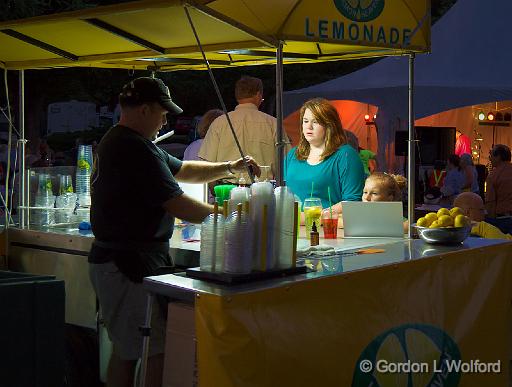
71 116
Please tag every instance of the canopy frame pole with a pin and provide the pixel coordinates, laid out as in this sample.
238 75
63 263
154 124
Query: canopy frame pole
22 142
411 149
219 95
279 116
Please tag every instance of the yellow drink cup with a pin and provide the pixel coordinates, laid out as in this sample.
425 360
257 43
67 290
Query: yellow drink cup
312 213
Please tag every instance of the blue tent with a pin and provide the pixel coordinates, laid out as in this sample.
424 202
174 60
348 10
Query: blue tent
469 64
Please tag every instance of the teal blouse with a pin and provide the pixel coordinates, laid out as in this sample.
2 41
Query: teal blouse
342 171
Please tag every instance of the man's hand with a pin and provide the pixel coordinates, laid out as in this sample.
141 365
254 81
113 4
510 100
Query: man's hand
239 165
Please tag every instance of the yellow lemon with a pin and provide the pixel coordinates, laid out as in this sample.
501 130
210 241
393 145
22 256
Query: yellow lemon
456 211
461 221
443 211
423 222
435 224
445 221
431 216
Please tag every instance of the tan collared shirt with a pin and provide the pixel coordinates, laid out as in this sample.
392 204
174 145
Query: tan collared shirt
498 195
256 133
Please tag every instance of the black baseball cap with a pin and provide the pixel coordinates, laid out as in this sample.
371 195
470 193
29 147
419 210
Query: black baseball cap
146 89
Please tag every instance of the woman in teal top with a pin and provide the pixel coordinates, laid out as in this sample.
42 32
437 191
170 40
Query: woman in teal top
324 158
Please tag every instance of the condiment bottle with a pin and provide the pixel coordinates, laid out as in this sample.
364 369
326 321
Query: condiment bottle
314 236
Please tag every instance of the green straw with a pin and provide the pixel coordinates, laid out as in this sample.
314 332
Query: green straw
312 186
329 195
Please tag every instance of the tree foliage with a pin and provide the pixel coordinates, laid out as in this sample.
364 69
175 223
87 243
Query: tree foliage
17 9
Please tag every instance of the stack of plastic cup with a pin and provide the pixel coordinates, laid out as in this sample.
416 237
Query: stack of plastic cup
262 194
83 175
65 203
212 243
237 257
238 195
283 225
44 201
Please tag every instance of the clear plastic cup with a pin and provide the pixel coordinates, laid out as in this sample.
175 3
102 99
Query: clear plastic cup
84 159
67 200
84 200
45 187
83 184
312 213
330 224
65 184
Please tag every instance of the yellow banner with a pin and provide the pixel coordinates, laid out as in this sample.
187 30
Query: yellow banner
439 321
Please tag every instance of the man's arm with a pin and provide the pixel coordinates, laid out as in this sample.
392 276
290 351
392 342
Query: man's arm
204 171
187 208
490 196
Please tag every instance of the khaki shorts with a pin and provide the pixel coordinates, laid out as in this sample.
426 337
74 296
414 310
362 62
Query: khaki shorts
123 308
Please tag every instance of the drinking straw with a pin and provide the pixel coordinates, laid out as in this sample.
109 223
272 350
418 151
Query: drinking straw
295 221
312 186
225 209
214 249
329 195
263 240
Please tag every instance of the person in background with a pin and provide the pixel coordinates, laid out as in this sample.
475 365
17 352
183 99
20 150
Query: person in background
46 155
369 160
202 128
435 180
255 130
498 195
323 158
453 182
473 207
462 143
437 175
135 198
352 140
470 173
384 187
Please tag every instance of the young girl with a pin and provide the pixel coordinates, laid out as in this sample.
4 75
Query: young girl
382 187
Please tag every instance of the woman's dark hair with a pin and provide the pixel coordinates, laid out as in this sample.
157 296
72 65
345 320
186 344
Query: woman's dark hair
502 151
454 160
439 164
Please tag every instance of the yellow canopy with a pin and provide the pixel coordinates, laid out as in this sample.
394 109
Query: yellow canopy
155 34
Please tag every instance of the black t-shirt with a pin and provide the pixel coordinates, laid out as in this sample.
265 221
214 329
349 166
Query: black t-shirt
131 180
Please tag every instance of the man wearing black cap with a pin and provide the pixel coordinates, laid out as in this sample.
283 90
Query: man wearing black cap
135 198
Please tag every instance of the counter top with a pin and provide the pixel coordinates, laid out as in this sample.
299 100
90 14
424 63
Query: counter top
395 251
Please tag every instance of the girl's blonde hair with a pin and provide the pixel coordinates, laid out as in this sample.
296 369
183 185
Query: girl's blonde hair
393 184
328 117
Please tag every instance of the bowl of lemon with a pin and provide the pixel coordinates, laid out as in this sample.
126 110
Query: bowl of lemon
446 226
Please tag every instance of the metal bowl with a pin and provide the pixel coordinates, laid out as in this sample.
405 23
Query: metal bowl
443 236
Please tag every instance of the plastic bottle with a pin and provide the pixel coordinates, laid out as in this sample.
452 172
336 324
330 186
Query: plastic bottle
314 236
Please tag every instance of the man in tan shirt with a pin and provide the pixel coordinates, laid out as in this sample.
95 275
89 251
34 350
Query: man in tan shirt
255 130
498 195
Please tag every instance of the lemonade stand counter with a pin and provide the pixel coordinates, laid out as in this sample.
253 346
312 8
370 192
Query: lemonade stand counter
411 302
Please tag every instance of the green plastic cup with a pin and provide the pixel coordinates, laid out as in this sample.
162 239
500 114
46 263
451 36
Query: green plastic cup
222 192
